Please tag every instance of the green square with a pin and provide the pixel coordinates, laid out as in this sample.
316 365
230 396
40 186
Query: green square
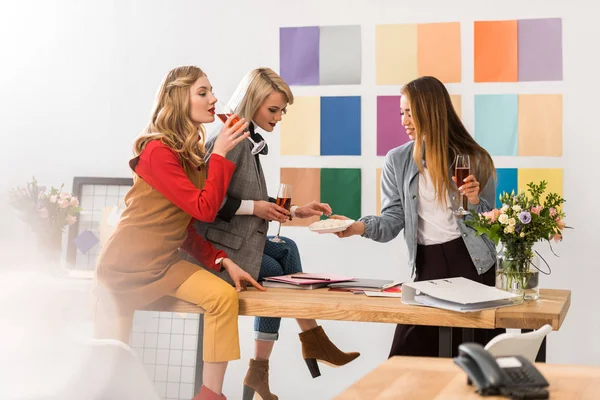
341 189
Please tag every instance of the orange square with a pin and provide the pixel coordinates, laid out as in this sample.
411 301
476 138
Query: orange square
438 51
496 51
306 187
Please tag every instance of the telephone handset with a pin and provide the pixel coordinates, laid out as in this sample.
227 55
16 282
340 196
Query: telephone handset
512 375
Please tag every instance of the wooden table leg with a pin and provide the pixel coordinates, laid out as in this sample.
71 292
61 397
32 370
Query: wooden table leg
445 345
199 355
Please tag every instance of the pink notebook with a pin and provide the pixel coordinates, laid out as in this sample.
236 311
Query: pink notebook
309 278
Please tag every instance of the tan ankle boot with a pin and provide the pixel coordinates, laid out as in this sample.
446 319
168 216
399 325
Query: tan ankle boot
257 380
207 394
316 346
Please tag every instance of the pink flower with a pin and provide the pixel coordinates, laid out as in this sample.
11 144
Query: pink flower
65 203
560 223
74 202
64 195
552 212
492 215
557 237
71 219
43 212
53 198
536 210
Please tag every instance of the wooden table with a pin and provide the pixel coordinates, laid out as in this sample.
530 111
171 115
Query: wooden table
551 309
439 378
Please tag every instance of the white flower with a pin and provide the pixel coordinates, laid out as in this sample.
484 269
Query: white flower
509 229
504 208
512 222
53 198
503 219
516 208
522 234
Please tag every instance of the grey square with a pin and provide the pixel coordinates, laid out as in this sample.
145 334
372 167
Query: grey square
162 357
340 55
188 358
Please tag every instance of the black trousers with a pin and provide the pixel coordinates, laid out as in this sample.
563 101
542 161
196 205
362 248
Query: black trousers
447 260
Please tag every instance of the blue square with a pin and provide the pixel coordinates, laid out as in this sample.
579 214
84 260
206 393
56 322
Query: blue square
507 182
340 126
496 123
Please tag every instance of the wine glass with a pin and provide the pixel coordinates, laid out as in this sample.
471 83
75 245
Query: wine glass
284 199
463 169
223 111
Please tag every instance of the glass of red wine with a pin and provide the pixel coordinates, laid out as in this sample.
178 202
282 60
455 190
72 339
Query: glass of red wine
463 169
223 111
284 199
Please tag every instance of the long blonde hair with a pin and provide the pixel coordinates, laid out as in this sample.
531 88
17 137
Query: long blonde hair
253 90
441 135
170 122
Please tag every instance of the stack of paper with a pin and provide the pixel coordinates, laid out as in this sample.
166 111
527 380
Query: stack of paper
304 280
457 294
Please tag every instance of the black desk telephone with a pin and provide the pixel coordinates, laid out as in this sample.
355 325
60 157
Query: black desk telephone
514 376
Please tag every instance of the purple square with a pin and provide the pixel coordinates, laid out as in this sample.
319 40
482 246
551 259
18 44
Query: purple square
390 132
540 49
299 55
85 241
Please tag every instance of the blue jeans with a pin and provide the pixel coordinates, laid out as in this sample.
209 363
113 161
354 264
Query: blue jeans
278 259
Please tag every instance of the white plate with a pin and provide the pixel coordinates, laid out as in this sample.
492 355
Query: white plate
342 227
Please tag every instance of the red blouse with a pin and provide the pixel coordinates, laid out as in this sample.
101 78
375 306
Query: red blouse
159 166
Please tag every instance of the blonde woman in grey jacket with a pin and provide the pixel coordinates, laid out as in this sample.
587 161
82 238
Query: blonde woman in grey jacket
419 193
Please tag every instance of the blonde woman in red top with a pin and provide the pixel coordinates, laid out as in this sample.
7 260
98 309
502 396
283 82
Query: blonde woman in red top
173 187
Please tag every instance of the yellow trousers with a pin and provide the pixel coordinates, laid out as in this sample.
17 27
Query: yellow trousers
214 295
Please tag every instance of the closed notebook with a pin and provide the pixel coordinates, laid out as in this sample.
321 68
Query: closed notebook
308 279
282 285
365 284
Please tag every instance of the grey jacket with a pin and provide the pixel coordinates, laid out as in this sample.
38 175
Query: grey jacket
399 194
242 237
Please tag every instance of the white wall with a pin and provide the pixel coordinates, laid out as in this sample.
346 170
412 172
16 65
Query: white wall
78 79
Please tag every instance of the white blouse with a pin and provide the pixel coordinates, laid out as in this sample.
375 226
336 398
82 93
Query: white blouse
437 223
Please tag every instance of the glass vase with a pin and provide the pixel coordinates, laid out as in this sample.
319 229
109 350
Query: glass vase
49 253
517 270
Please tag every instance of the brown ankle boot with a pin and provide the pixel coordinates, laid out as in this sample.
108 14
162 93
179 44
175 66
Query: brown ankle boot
257 380
207 394
316 346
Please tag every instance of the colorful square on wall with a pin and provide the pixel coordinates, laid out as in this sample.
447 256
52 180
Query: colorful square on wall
341 188
554 177
395 54
299 55
496 123
300 128
540 125
540 49
306 187
496 51
340 57
340 126
438 51
507 182
390 132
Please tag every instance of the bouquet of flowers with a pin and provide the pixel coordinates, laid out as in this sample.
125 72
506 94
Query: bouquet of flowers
47 211
518 224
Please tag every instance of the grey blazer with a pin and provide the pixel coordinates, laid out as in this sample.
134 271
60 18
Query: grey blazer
242 237
399 194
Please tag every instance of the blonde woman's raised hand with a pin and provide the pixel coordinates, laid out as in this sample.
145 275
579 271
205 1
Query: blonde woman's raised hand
231 134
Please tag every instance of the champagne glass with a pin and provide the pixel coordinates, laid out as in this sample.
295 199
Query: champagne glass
463 169
284 199
223 111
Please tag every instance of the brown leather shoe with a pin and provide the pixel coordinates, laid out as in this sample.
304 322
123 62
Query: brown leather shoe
207 394
257 380
316 346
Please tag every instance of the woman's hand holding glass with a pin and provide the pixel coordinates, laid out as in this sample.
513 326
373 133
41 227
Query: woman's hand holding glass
469 188
357 228
230 136
270 211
